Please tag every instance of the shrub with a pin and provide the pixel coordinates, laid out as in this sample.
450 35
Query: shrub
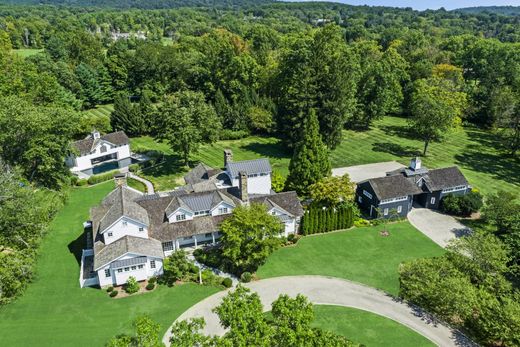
102 177
133 167
462 205
113 293
109 289
209 278
210 257
360 222
177 267
246 277
81 182
227 282
131 286
152 279
150 286
74 180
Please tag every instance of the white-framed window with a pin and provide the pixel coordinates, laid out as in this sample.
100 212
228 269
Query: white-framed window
103 149
367 194
360 199
127 269
223 210
134 268
125 223
119 270
207 235
141 229
385 212
401 198
454 189
399 209
201 213
167 246
140 266
152 264
110 234
432 201
180 217
273 212
107 272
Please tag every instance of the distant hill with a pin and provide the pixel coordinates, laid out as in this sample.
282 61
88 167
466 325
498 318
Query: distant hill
144 4
505 10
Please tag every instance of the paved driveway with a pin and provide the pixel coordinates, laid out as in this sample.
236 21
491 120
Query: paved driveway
360 173
439 227
332 291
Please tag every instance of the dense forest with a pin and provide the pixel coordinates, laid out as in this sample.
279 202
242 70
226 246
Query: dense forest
192 72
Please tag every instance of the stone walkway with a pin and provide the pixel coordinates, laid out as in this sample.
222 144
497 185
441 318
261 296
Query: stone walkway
439 227
360 173
333 291
148 184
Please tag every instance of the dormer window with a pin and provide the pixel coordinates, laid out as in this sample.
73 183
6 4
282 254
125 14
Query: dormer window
180 217
223 210
103 149
125 223
110 234
141 229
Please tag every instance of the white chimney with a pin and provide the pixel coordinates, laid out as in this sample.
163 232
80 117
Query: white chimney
95 134
415 164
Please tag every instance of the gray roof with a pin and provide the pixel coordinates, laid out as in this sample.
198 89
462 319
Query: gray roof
105 254
287 201
446 178
255 166
128 262
86 145
393 186
198 201
119 203
198 174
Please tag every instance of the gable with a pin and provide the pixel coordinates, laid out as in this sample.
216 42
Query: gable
120 221
222 205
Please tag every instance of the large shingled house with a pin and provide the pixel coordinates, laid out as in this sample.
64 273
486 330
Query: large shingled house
132 232
396 193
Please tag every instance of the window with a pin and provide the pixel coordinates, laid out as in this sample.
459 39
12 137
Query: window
187 238
134 268
360 199
167 246
180 217
119 270
103 149
140 266
453 189
367 194
125 223
141 229
127 269
110 234
208 235
385 212
401 198
107 272
222 210
152 264
273 213
399 209
432 201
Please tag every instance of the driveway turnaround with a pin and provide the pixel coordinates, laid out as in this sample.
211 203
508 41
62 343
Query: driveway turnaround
360 173
332 291
439 227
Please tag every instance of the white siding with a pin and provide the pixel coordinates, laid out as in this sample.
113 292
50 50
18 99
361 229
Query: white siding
215 210
120 278
119 230
172 218
257 185
289 226
84 162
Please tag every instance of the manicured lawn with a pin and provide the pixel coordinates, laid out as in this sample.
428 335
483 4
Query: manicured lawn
367 328
359 254
473 150
136 184
169 174
101 110
54 311
27 52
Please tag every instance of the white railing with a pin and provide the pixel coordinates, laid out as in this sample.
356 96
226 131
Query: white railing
88 281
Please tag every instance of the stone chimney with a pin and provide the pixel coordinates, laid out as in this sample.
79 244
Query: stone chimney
120 179
242 186
228 156
415 164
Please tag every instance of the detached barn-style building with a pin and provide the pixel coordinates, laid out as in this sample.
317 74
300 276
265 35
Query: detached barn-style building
395 194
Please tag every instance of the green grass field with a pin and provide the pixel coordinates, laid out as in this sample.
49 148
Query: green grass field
366 328
136 184
27 52
55 311
358 254
101 110
474 151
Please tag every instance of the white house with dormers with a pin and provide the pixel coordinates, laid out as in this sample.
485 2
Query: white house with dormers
97 150
133 232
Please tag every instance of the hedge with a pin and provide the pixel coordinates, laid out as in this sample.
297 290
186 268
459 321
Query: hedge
102 177
319 220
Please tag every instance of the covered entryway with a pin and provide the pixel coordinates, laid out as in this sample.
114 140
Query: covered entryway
419 200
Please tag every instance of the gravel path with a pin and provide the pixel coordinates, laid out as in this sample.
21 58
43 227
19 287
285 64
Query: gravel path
148 184
439 227
360 173
333 291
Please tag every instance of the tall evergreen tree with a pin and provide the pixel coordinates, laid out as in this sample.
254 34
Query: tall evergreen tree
126 116
310 161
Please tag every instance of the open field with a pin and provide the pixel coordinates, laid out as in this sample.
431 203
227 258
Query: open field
101 110
27 52
367 328
360 254
473 150
55 311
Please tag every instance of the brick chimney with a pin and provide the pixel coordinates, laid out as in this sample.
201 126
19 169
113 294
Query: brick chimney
242 186
228 156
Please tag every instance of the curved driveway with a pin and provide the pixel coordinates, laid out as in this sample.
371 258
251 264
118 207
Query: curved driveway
332 291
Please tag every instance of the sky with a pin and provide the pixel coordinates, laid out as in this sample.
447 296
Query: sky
432 4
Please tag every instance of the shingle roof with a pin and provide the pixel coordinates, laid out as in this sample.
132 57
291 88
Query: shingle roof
86 145
446 178
255 166
198 174
119 203
198 201
288 201
105 254
393 186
